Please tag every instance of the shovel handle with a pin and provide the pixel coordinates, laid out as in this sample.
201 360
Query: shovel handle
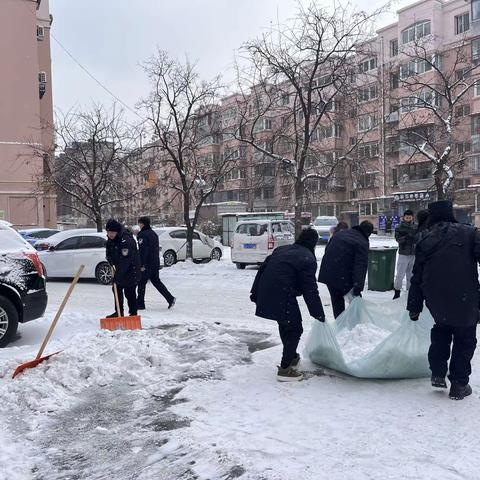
115 293
60 311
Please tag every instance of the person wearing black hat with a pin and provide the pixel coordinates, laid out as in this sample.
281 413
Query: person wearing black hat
285 275
149 247
405 235
122 254
344 264
445 277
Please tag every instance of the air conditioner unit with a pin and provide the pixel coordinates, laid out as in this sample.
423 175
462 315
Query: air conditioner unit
40 32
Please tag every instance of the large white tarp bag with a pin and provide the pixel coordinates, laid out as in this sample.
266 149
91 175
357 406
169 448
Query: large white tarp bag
373 341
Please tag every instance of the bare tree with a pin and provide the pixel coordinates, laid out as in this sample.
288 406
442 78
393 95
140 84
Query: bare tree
300 75
435 88
95 160
183 114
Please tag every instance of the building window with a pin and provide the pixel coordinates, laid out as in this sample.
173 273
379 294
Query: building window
393 48
425 99
476 50
462 73
475 164
323 81
330 131
462 23
40 33
366 180
368 208
417 67
475 9
285 99
462 110
42 77
263 124
475 125
369 150
367 65
462 183
463 147
367 93
415 32
367 122
415 171
394 80
476 88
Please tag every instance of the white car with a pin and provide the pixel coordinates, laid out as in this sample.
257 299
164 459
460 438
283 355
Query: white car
63 253
173 244
323 225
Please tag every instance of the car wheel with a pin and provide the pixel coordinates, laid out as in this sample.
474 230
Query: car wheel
240 266
103 273
8 321
216 254
169 258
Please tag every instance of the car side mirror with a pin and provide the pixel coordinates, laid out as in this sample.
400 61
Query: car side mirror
51 248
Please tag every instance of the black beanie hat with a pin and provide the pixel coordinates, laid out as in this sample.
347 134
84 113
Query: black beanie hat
366 227
145 221
441 211
422 216
308 238
113 226
408 212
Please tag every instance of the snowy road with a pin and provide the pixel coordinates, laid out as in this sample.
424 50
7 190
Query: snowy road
194 396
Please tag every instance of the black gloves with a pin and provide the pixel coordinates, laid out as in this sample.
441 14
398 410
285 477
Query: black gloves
414 316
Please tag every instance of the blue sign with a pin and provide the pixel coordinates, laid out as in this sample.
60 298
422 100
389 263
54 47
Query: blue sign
382 222
395 221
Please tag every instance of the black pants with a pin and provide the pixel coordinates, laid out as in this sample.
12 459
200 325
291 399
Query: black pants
464 343
131 294
290 333
152 275
338 301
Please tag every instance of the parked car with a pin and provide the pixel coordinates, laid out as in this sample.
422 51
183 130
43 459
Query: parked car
33 235
63 253
323 225
23 296
173 244
255 240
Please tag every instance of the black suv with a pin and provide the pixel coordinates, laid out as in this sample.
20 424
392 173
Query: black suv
23 296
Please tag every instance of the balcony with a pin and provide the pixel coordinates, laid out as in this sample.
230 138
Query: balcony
392 117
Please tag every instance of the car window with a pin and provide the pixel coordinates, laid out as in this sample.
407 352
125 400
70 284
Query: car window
253 229
196 236
276 227
327 222
92 242
68 244
287 227
9 239
179 234
42 234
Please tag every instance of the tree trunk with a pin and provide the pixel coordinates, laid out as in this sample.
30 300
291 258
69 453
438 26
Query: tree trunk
439 184
99 223
186 219
298 205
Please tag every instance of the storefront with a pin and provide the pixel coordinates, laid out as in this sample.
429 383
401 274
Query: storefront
415 201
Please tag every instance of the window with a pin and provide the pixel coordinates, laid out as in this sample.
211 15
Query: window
265 170
40 32
252 229
462 110
463 147
462 73
462 183
287 227
268 193
366 180
368 150
236 174
285 99
286 191
196 236
92 242
367 65
394 80
475 9
415 171
462 23
475 124
330 131
263 124
68 244
324 80
425 99
475 164
393 144
476 50
179 234
393 48
415 32
368 209
476 88
367 93
42 77
417 67
367 122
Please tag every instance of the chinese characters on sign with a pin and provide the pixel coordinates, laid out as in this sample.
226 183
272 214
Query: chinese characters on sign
412 196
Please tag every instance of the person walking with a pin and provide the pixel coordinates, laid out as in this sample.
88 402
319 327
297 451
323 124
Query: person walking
122 254
287 273
445 277
339 227
345 263
405 235
149 247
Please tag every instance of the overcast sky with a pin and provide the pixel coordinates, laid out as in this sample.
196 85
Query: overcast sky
111 37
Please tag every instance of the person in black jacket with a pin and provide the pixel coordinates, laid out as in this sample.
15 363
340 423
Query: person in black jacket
285 275
122 254
445 276
345 263
150 263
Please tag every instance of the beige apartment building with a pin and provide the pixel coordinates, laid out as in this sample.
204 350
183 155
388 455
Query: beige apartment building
26 111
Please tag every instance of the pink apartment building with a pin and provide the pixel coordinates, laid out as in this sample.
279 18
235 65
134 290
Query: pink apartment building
26 112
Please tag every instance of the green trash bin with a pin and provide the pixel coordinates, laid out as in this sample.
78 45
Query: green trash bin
381 268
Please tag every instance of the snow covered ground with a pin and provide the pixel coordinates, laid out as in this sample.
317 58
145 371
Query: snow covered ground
194 396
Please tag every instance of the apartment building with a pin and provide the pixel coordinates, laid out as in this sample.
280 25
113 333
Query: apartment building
26 112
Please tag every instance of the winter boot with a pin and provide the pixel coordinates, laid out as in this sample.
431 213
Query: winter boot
288 374
172 303
141 306
113 315
459 392
295 361
397 294
439 382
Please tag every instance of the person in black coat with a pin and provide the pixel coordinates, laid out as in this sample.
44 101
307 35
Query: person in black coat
149 247
345 263
445 276
285 275
122 254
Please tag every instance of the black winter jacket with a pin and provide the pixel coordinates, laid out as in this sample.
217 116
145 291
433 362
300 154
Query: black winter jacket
445 274
149 248
405 235
122 253
286 274
345 262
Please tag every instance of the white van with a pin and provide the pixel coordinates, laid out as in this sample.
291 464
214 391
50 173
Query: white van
255 240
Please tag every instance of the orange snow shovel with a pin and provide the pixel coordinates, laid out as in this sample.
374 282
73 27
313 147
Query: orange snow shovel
39 358
133 322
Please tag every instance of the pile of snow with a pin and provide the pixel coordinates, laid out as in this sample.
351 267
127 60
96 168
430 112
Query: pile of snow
360 341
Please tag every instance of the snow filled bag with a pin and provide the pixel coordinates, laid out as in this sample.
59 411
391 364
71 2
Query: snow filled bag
373 341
